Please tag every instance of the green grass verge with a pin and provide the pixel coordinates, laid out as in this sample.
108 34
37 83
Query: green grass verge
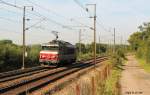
111 83
125 61
144 65
84 56
88 56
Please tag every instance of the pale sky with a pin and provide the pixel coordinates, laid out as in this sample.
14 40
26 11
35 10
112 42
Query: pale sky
52 15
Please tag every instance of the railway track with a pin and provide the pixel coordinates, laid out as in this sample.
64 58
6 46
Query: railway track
19 71
10 75
36 80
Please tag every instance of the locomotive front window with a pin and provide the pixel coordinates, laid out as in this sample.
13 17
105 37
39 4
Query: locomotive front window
50 48
53 47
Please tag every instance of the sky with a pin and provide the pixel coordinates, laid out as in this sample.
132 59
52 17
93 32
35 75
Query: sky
68 17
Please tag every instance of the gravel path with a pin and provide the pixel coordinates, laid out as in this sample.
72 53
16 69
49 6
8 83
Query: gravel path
134 80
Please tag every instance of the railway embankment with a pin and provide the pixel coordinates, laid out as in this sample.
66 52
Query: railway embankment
102 80
89 82
46 81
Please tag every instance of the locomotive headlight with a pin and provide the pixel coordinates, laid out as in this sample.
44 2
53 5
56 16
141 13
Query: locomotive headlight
56 56
42 56
53 56
49 56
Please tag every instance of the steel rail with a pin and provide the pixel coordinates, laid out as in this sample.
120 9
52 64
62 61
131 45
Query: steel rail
19 71
39 80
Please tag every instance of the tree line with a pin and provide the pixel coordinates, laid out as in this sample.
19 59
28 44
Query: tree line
140 42
11 54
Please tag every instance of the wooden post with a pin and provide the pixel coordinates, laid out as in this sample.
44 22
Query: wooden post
93 86
77 90
108 70
105 72
102 75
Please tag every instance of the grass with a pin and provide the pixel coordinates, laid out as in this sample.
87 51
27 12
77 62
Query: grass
111 83
125 61
144 65
107 86
87 56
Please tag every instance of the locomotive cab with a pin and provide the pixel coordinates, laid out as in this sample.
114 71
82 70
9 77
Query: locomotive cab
49 54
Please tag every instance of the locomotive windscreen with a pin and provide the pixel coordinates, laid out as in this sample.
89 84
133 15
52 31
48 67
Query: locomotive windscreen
50 48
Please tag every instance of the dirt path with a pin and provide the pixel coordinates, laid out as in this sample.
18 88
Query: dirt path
134 80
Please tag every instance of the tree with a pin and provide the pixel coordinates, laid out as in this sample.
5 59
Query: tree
140 42
6 42
135 40
33 54
11 55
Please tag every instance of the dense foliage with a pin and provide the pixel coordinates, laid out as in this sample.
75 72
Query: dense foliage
88 48
140 42
86 51
118 57
11 55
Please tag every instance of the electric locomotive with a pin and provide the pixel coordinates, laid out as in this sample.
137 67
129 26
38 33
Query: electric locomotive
57 52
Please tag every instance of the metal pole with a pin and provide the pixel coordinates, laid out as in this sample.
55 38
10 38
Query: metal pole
114 40
109 46
121 42
24 48
94 34
94 46
79 54
24 30
79 42
99 45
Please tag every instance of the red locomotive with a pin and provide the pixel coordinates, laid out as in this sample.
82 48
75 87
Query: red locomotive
57 52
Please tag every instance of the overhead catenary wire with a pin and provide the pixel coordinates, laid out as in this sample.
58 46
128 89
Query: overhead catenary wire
10 11
12 31
35 24
102 26
4 2
53 12
99 22
9 20
37 14
41 16
48 19
76 1
84 8
46 9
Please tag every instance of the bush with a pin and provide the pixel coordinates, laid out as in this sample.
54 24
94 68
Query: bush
33 54
11 56
118 57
